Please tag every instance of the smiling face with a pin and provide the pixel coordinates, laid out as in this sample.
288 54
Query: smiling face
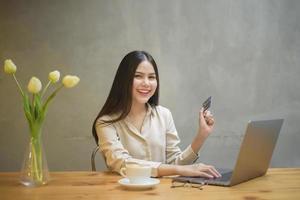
144 83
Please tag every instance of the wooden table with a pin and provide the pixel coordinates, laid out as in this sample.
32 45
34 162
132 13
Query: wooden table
281 183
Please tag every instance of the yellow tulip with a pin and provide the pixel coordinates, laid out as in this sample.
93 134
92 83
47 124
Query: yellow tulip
54 76
9 67
70 81
34 85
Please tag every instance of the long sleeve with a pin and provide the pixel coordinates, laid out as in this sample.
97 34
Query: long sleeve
114 152
157 142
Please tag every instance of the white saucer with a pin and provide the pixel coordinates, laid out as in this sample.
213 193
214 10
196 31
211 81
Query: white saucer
149 183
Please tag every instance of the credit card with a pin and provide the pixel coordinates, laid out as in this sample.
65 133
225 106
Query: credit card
206 104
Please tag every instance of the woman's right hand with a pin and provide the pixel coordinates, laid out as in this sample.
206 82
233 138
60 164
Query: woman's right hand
199 169
206 123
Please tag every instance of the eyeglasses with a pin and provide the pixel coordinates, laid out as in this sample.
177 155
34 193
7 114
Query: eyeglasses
176 184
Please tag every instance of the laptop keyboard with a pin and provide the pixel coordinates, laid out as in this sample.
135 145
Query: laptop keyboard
225 177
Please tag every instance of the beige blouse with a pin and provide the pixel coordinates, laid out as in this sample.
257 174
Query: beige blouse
156 143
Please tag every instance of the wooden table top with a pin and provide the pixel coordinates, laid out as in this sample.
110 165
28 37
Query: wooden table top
278 183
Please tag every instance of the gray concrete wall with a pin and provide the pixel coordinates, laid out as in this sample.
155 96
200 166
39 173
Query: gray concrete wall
243 53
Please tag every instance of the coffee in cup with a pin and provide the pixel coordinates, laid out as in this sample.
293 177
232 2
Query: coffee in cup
136 173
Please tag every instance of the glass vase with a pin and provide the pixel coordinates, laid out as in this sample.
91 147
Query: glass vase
34 170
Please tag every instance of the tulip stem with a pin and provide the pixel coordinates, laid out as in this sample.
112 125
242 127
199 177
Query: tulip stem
45 89
33 105
20 89
50 97
59 88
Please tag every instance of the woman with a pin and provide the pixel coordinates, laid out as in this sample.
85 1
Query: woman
131 126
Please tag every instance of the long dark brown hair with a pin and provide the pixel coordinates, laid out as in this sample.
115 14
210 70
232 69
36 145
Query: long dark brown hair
119 100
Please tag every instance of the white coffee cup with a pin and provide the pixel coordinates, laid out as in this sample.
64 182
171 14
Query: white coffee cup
136 173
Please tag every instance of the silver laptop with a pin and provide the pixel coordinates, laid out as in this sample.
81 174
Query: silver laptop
254 157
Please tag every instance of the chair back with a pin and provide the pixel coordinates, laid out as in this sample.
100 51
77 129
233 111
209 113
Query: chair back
93 158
